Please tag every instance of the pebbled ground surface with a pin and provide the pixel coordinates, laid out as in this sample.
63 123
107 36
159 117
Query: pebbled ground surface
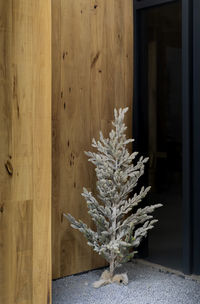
147 285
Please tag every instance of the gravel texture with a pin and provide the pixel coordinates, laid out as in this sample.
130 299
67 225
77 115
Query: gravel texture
147 285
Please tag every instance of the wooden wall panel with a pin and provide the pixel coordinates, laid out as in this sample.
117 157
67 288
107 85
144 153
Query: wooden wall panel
92 60
25 151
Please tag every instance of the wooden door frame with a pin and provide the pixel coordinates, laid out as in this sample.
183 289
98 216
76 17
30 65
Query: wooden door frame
190 122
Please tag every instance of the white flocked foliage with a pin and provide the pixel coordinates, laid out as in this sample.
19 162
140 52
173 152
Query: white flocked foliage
120 224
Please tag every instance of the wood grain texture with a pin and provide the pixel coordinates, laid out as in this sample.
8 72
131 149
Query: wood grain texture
25 151
92 60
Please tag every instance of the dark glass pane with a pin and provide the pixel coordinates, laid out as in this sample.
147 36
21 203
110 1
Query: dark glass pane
161 75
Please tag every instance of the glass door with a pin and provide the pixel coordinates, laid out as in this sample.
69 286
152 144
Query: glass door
159 123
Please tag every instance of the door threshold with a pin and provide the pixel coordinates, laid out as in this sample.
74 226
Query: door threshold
164 269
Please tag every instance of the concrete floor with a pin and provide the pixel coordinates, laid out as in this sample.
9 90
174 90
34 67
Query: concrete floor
147 285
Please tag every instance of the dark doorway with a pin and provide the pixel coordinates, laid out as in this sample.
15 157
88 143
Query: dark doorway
160 120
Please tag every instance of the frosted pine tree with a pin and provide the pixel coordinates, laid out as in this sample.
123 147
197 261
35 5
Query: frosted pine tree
120 225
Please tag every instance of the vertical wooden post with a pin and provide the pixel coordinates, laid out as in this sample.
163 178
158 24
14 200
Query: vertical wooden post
92 59
25 151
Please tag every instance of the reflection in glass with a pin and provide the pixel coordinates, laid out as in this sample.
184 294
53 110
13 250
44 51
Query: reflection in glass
161 74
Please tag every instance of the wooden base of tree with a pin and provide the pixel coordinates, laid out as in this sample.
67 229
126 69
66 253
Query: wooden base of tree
108 278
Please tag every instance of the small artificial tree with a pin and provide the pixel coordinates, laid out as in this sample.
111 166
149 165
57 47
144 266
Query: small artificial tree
118 230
